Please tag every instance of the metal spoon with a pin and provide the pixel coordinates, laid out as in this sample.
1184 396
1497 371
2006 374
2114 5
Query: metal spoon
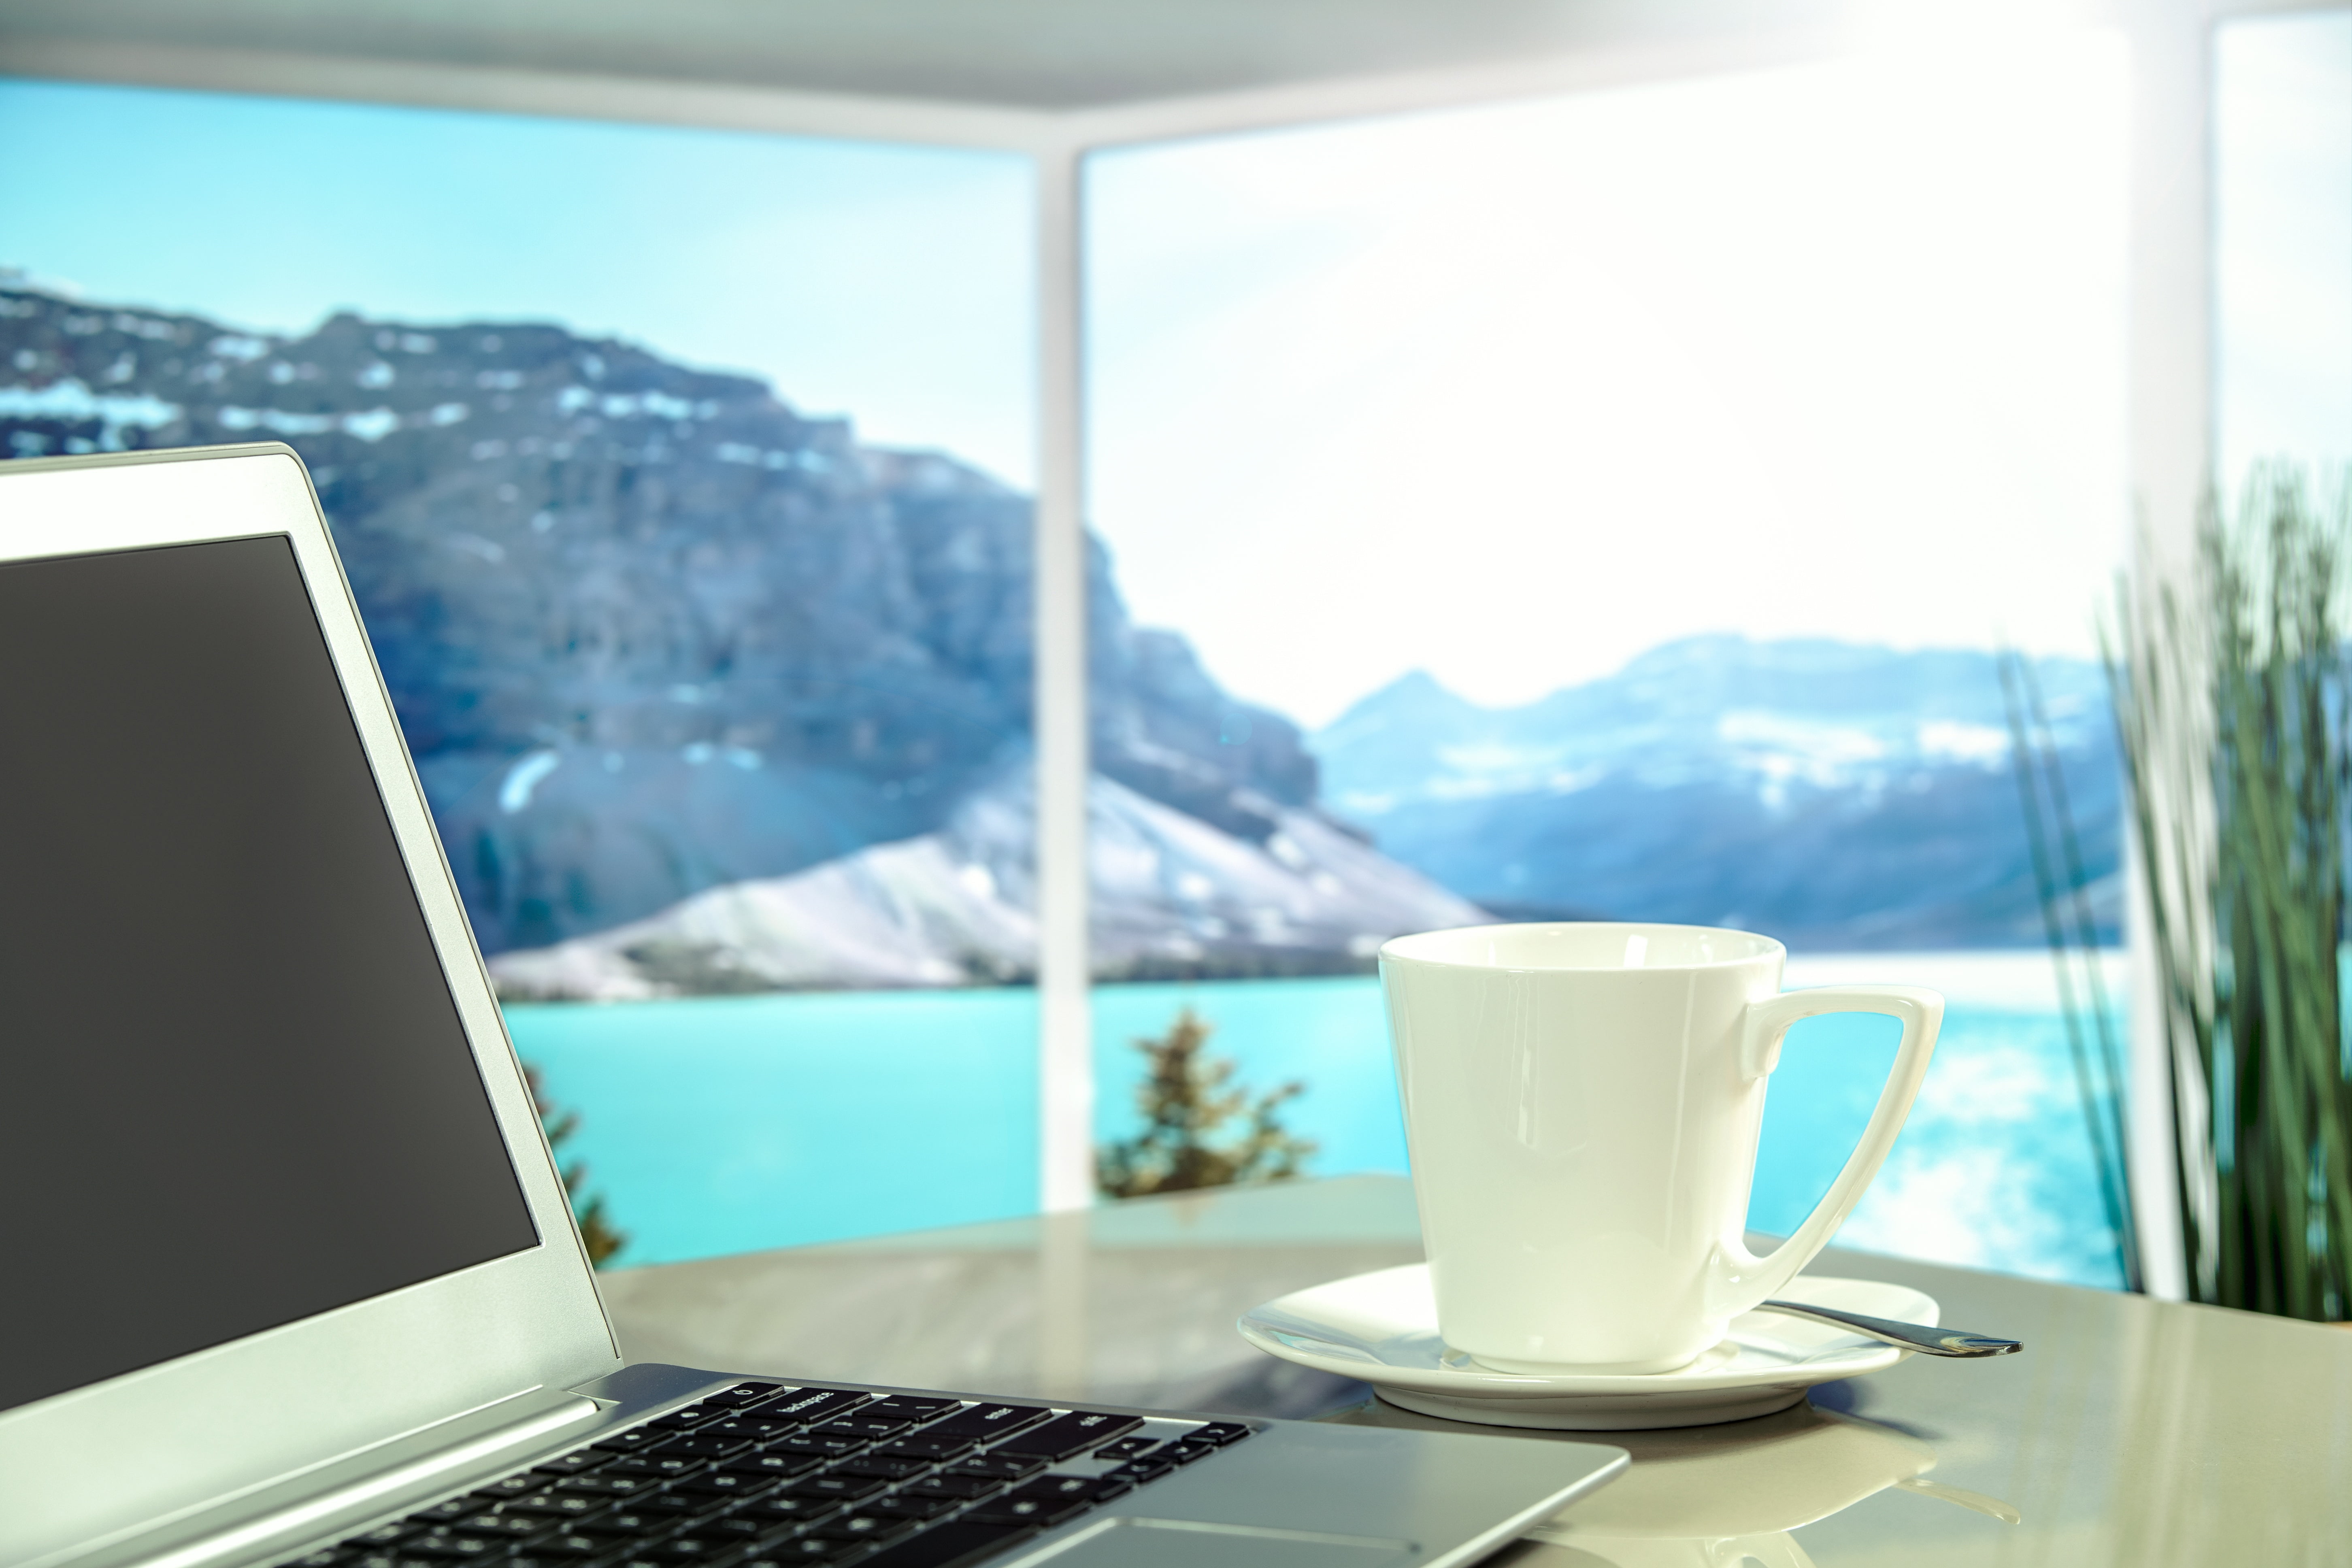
1910 1336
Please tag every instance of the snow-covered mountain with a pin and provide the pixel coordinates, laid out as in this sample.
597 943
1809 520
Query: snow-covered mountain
1171 895
1836 795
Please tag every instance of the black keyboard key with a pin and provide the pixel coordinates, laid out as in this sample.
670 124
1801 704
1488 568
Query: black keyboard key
1040 1503
630 1441
691 1547
1185 1451
746 1393
911 1505
1221 1433
1064 1486
1004 1466
750 1428
385 1534
889 1467
801 1549
456 1547
1149 1467
781 1464
811 1404
781 1510
701 1447
963 1489
569 1545
726 1484
833 1447
637 1466
858 1524
683 1418
858 1425
660 1466
906 1407
514 1525
923 1446
623 1525
1073 1434
987 1423
840 1488
949 1546
574 1463
617 1484
440 1512
688 1507
510 1486
558 1505
1127 1449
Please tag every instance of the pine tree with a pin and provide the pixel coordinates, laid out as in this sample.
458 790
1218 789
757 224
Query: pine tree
1186 1099
596 1233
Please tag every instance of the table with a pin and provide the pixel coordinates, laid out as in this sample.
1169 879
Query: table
2130 1432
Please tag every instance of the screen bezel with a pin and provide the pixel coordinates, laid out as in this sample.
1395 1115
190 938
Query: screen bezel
96 1464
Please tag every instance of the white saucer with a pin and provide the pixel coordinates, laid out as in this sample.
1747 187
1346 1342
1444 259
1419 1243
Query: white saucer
1381 1327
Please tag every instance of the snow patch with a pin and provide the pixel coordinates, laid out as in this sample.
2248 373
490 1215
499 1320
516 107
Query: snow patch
523 777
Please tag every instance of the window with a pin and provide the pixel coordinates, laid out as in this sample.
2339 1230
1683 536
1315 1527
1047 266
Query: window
680 478
1405 436
2282 242
1621 499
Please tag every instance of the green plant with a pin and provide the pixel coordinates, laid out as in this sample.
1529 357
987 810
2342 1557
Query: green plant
597 1235
2232 702
1186 1099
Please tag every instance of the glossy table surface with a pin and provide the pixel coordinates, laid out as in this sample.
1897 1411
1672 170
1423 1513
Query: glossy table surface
2128 1432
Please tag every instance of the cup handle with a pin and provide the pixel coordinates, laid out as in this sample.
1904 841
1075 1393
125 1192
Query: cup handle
1742 1279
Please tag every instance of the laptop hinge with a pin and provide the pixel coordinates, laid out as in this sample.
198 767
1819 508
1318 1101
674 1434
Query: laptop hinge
351 1490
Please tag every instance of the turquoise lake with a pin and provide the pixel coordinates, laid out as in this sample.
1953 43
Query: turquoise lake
721 1124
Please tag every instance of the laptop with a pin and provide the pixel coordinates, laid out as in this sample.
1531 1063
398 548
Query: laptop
287 1273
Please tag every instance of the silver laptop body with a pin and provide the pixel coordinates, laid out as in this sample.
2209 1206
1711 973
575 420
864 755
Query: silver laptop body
335 1301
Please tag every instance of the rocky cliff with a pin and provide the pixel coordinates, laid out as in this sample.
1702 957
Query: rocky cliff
650 630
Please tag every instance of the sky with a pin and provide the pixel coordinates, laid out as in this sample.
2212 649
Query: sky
1513 393
892 284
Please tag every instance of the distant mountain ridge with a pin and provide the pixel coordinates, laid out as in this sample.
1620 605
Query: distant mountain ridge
650 630
1835 795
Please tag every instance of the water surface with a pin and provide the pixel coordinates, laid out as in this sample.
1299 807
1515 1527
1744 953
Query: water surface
720 1124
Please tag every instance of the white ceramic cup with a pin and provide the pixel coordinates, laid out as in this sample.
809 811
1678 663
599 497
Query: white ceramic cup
1583 1103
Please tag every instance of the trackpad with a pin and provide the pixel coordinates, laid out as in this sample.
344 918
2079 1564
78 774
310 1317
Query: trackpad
1186 1543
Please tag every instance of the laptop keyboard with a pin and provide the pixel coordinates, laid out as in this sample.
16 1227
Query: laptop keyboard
761 1475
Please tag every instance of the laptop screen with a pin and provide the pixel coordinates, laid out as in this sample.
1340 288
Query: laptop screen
234 1088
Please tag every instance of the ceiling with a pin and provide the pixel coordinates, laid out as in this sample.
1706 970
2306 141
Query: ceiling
1032 55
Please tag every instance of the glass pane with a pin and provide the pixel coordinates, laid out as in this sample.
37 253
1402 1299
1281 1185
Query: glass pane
1622 498
2283 241
677 476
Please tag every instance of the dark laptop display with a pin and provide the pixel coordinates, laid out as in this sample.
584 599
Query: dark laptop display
234 1091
